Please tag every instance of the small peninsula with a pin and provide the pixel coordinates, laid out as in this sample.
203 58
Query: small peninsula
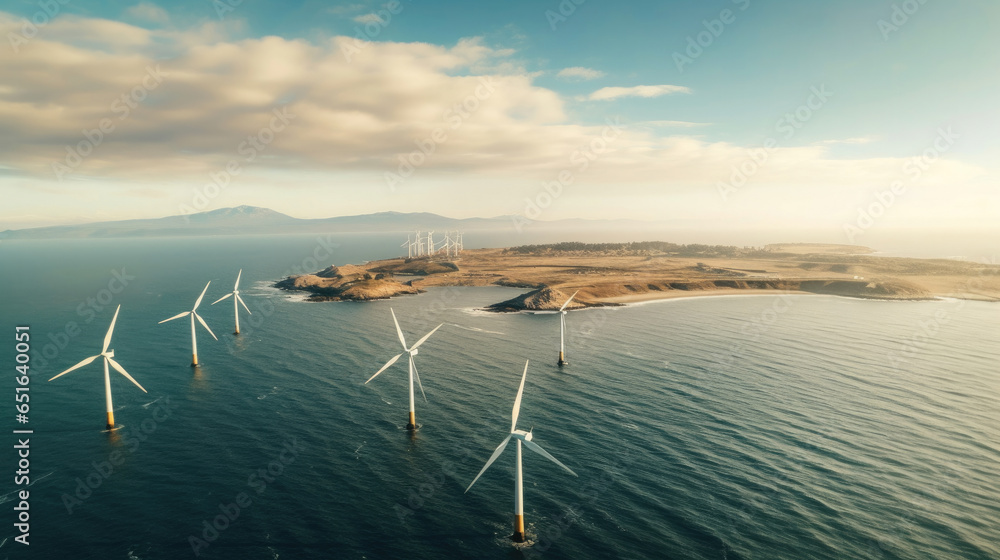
621 273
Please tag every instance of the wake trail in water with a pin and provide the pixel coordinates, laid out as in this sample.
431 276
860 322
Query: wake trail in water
474 329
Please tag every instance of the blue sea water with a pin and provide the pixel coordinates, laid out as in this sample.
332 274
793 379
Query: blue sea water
770 427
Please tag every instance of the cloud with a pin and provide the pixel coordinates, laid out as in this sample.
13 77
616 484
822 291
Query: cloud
675 124
149 12
354 117
579 73
607 93
856 140
368 18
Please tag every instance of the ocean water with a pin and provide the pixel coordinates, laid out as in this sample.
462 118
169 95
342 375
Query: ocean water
771 427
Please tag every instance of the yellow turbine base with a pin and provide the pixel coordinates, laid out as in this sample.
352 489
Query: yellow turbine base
413 421
194 360
111 420
518 535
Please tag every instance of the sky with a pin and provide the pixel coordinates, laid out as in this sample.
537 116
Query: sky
848 116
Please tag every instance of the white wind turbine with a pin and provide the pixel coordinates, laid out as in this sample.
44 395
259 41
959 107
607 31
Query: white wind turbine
194 315
562 327
418 245
237 301
108 356
409 247
451 244
522 437
412 425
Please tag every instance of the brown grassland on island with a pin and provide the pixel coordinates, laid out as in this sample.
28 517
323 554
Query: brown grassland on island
611 274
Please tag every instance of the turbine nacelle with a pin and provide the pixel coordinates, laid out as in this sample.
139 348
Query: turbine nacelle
521 435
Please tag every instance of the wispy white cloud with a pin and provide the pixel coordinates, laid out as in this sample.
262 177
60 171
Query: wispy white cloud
352 118
579 73
674 124
148 12
368 18
856 140
608 93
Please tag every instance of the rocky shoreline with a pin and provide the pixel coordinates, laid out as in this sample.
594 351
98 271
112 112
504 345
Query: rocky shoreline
612 278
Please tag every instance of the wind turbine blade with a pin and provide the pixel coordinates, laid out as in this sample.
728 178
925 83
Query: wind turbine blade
385 367
399 331
517 401
417 376
197 303
426 336
79 365
239 299
122 371
237 286
537 449
111 329
544 312
493 457
204 324
178 316
569 300
222 298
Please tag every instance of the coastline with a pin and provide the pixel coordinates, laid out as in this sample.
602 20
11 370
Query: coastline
603 277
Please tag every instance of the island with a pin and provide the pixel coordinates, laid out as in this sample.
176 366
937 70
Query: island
620 273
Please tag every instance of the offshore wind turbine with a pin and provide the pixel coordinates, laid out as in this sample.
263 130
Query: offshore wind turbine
522 437
412 424
562 328
109 358
237 300
194 315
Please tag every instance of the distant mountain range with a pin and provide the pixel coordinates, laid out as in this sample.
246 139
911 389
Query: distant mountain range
252 220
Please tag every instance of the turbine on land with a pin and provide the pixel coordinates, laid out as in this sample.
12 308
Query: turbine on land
562 327
409 247
522 437
194 315
237 301
109 358
412 425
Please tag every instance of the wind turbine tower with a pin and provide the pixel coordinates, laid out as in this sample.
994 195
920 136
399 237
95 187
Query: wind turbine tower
109 359
194 315
412 351
524 438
